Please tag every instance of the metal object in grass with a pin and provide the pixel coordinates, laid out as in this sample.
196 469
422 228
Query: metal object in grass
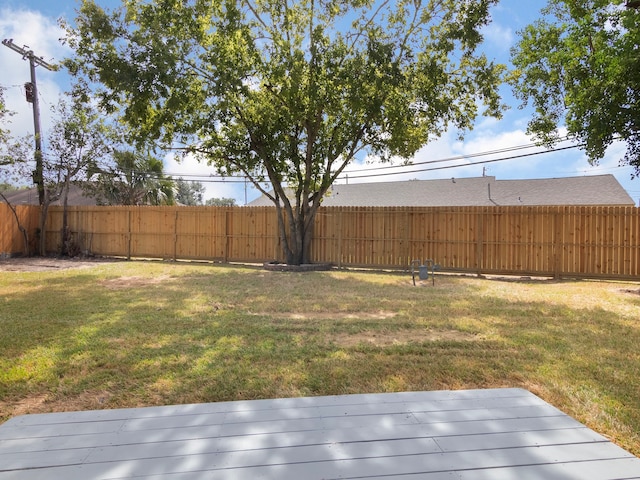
424 269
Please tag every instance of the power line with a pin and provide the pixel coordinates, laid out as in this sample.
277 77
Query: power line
242 179
427 162
460 157
513 157
205 177
230 179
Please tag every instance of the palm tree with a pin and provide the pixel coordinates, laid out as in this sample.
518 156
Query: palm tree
134 179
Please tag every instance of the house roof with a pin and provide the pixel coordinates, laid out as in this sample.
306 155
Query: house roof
477 191
30 197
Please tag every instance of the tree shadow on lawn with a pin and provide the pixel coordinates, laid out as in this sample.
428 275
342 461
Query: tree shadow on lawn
243 335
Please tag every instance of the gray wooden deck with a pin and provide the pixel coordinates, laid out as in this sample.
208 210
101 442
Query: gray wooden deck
471 434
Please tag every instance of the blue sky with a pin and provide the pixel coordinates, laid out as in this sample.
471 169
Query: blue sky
34 23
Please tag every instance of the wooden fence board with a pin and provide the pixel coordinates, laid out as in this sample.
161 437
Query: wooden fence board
562 241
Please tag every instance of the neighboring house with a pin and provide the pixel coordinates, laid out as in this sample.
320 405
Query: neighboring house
477 191
30 197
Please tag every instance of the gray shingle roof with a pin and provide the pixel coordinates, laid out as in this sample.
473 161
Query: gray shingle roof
30 197
477 191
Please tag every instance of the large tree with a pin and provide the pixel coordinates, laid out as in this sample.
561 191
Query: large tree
579 67
290 92
77 142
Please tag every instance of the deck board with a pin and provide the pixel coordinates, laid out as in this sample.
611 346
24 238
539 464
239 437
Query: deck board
453 435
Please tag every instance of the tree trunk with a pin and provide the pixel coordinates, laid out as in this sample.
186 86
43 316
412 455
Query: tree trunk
282 232
44 209
296 240
25 238
308 235
65 235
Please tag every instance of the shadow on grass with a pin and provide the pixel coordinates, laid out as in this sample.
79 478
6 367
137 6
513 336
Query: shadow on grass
213 334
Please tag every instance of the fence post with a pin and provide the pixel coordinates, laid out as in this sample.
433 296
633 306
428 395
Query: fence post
226 235
175 235
557 243
480 240
129 233
340 223
405 252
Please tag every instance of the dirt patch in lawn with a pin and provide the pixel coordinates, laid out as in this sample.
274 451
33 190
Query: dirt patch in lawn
44 404
632 291
48 264
32 404
129 282
380 315
387 339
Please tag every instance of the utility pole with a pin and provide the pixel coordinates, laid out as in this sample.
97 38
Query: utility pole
31 91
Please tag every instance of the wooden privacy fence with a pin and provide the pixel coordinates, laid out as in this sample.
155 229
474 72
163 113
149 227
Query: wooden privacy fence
11 239
549 241
228 234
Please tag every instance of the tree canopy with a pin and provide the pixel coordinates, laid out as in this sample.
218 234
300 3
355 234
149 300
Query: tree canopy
133 178
221 202
3 114
579 67
78 141
289 92
188 193
4 133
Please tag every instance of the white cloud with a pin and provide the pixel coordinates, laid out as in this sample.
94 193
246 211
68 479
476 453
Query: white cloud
32 31
499 36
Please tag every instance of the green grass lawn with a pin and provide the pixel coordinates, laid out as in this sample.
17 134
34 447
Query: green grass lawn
131 334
